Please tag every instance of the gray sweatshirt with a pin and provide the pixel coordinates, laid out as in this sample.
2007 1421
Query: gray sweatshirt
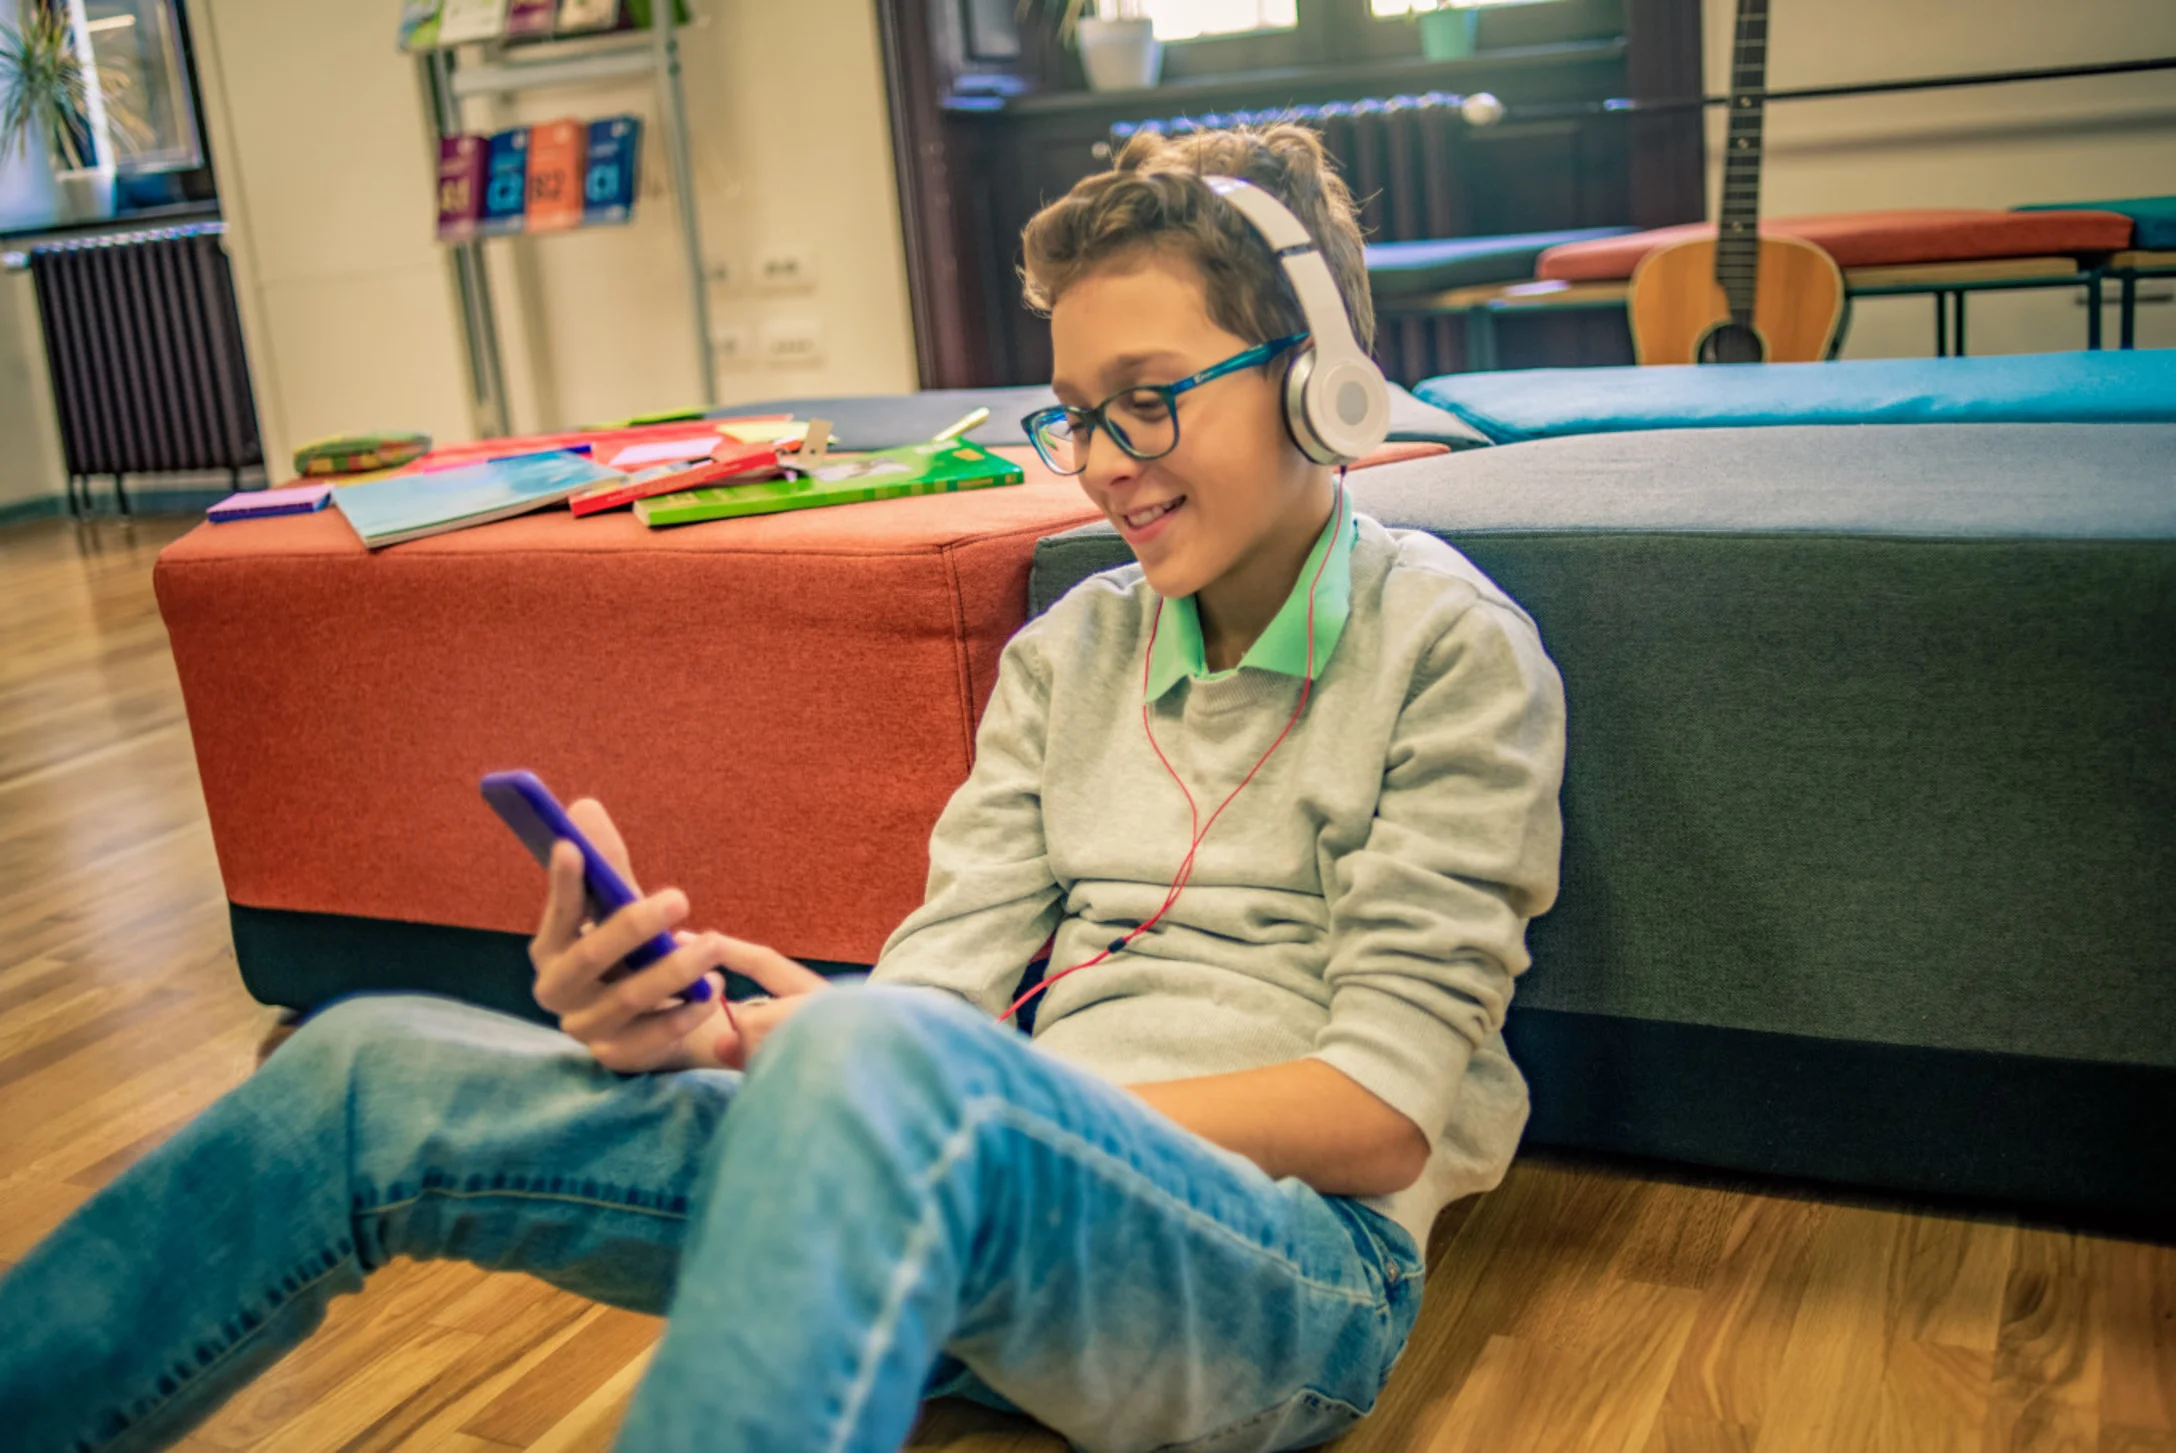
1363 902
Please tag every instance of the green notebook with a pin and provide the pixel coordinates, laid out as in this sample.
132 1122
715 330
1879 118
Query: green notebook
843 479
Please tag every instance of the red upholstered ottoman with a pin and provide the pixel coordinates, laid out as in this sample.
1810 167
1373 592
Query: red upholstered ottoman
775 709
1869 239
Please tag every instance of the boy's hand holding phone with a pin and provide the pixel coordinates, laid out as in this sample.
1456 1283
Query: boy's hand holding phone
629 1019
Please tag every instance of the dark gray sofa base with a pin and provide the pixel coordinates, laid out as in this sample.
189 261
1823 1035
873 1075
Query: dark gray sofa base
306 960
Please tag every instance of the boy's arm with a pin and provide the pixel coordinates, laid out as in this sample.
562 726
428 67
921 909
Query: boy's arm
1428 917
991 901
1428 923
1428 926
1302 1119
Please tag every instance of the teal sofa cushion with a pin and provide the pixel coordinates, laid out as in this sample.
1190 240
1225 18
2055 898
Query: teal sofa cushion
2051 388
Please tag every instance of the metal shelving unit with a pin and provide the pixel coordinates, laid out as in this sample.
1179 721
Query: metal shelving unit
507 70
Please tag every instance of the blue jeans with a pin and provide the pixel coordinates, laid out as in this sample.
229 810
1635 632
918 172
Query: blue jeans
899 1199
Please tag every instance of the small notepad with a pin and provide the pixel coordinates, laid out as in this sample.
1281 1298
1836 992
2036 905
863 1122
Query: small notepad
253 504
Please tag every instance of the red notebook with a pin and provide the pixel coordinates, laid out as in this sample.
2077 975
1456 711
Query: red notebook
558 158
730 463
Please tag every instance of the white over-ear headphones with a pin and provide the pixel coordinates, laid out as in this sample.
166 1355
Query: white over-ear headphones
1335 400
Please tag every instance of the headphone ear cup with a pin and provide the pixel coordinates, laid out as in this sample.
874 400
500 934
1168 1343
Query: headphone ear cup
1347 405
1298 420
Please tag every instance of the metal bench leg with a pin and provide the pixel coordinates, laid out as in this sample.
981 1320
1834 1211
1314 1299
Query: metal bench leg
2092 312
1941 324
1480 340
1843 330
2128 312
1959 296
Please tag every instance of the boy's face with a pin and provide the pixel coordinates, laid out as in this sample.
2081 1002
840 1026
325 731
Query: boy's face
1236 481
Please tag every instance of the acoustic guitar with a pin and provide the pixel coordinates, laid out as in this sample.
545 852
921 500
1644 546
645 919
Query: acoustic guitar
1742 298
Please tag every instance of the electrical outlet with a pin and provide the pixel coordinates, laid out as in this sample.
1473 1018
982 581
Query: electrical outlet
793 342
730 343
786 270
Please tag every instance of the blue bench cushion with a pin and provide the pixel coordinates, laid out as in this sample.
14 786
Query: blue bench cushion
2044 388
884 421
2155 217
1401 269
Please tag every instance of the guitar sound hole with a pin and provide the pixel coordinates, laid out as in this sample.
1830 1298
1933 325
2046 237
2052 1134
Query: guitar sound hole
1732 343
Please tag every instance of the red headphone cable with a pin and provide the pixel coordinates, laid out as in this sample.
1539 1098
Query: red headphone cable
1193 811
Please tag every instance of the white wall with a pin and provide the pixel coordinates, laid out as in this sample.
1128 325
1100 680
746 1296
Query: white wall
30 465
329 176
1985 146
318 145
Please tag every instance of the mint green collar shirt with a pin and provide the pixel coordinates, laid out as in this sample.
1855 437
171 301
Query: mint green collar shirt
1178 651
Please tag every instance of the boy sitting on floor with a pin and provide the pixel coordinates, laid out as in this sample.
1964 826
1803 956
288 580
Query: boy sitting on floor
1286 793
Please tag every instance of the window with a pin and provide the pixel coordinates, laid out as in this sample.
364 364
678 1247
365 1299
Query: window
152 113
1193 19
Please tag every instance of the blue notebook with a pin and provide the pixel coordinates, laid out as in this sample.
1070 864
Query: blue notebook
615 149
411 506
506 182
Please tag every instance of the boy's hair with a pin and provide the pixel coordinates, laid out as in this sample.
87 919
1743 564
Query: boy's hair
1152 198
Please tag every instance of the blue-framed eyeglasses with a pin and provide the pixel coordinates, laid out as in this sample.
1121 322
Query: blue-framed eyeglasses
1142 420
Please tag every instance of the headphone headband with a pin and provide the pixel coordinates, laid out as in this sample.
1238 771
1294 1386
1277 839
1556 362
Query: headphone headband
1336 402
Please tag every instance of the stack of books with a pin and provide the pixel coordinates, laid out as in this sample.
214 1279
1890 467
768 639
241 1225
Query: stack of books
549 177
675 473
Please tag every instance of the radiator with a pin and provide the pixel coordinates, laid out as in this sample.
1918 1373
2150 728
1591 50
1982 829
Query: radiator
1402 158
145 349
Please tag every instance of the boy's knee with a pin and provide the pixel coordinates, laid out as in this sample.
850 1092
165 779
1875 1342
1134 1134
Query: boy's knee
342 1029
358 1033
858 1028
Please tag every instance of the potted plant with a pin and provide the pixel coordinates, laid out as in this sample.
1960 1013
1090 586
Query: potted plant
1118 53
1446 28
50 96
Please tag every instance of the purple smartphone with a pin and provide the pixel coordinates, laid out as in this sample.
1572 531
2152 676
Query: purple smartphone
527 806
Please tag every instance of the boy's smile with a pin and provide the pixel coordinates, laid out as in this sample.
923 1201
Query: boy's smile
1230 513
1146 522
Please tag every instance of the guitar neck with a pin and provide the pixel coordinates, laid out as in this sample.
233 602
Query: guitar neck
1737 241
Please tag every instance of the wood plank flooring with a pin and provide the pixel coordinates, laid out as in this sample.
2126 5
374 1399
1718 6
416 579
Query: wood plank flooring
1581 1306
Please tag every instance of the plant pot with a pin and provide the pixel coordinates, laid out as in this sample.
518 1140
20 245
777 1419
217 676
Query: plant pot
1120 55
84 195
1447 35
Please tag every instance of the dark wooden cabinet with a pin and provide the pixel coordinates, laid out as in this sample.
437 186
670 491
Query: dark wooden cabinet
983 140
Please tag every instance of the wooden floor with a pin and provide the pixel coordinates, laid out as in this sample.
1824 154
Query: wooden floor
1580 1306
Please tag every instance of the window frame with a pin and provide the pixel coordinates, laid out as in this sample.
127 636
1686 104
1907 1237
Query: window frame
1308 41
1341 32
